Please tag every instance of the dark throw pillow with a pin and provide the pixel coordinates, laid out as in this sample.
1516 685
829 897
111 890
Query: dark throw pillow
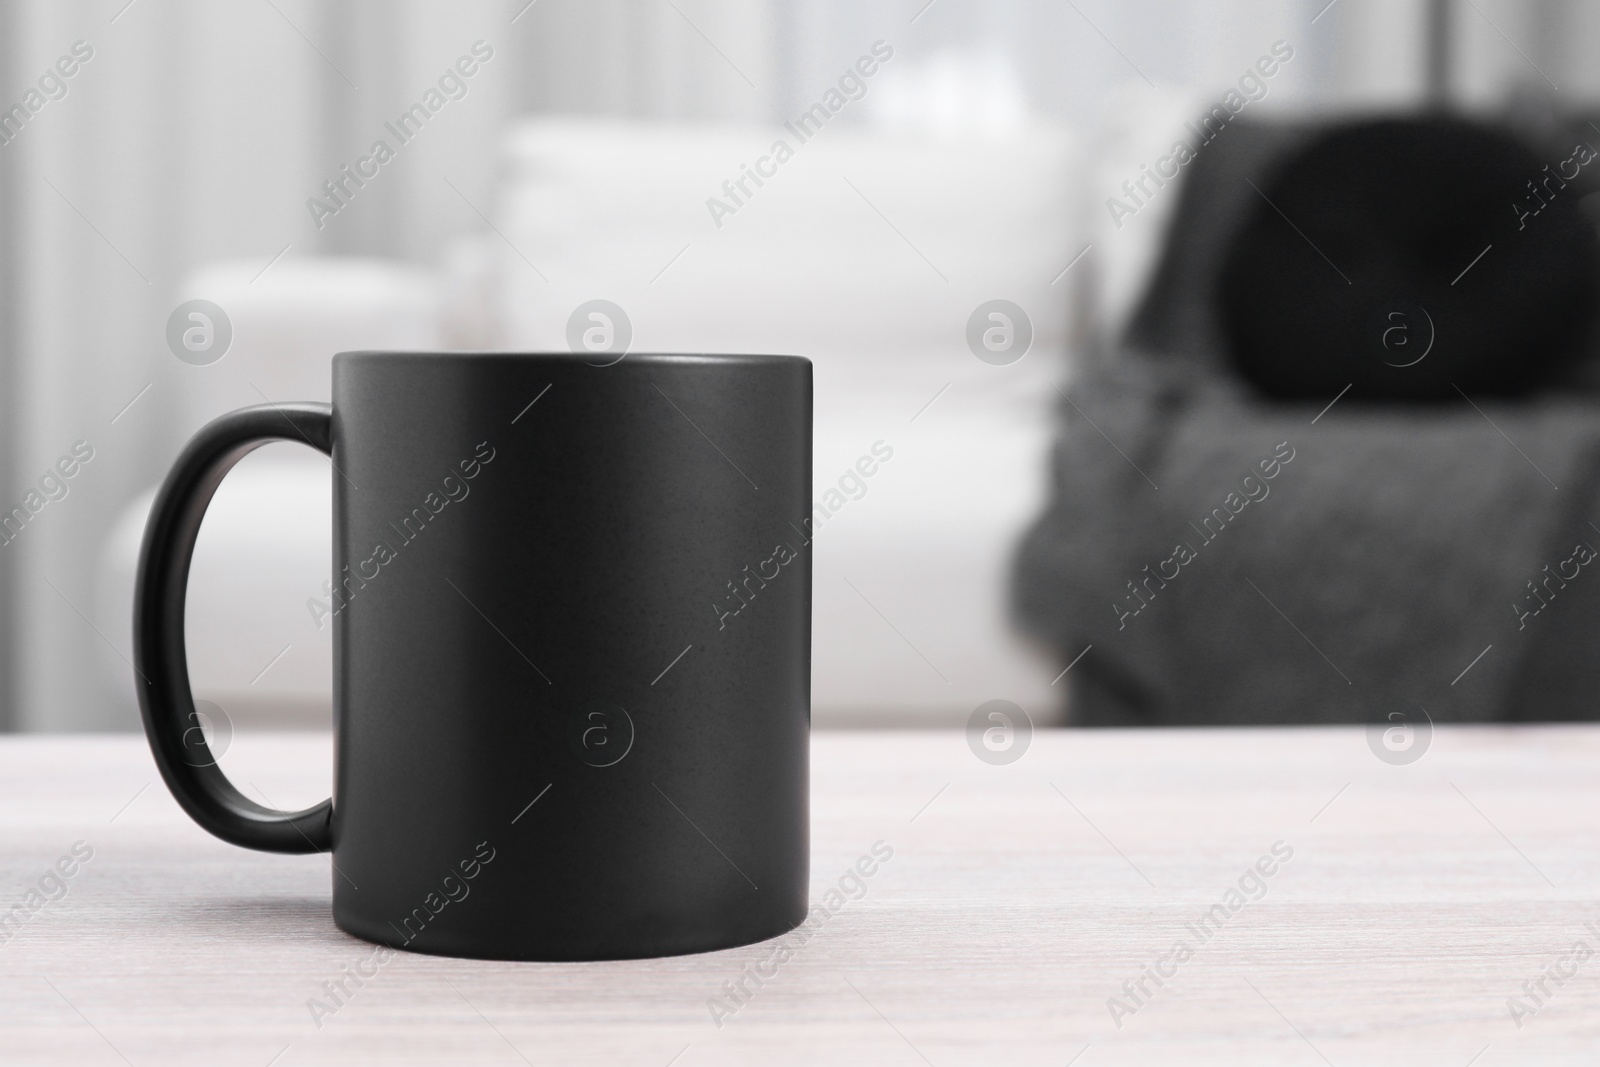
1363 261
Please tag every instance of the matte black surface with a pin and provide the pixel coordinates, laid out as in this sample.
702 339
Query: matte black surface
509 573
166 702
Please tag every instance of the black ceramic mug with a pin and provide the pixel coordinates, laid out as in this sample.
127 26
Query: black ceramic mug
571 609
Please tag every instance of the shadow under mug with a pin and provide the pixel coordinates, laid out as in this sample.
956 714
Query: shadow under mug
571 616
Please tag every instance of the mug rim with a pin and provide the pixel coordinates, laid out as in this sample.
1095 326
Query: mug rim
586 359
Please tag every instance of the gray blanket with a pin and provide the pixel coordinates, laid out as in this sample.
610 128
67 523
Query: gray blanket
1390 549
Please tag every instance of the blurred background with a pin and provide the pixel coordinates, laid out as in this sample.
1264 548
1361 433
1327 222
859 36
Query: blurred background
572 151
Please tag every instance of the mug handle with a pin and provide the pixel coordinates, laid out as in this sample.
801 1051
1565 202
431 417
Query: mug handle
166 701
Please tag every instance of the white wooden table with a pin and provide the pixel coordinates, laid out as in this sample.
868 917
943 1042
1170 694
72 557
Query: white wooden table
1019 899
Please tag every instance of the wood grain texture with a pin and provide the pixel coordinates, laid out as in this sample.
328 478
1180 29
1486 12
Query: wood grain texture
1016 903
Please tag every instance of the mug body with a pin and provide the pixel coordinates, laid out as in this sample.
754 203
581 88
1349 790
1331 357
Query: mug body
571 618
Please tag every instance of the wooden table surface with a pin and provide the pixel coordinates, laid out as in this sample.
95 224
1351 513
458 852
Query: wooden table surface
1416 904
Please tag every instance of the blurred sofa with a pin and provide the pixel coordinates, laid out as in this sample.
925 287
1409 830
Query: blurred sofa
865 252
1397 557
